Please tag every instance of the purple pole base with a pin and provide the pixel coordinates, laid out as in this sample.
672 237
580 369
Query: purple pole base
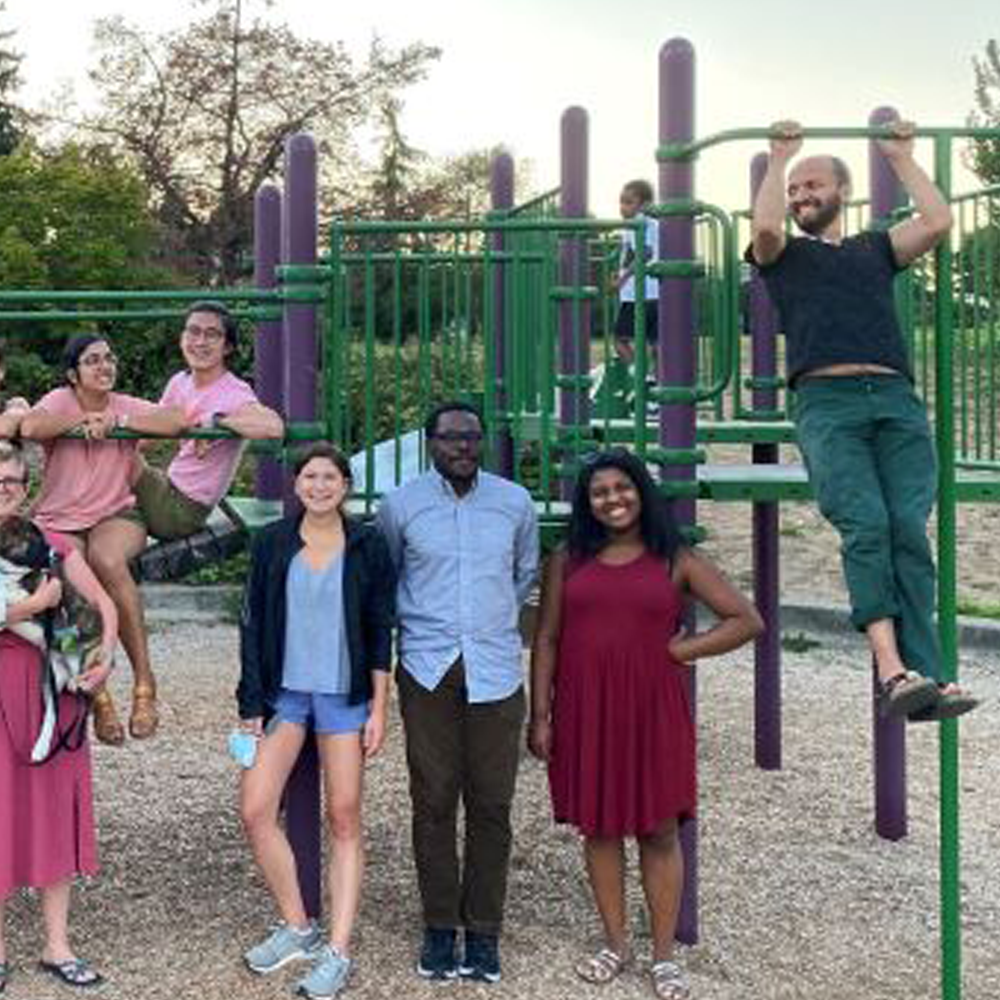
767 649
889 737
302 816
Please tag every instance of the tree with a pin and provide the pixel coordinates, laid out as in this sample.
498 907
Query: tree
72 218
10 63
391 194
984 154
205 112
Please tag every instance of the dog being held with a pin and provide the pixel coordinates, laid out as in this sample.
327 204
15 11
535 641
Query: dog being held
68 635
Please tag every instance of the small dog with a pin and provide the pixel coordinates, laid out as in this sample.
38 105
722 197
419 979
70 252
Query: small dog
69 635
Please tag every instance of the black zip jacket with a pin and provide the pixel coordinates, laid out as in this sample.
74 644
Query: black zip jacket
369 608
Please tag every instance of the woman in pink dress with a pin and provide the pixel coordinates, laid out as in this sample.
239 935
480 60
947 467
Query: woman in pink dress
609 697
46 810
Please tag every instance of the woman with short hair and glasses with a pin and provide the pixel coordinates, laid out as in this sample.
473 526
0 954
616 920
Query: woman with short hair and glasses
87 495
609 702
46 810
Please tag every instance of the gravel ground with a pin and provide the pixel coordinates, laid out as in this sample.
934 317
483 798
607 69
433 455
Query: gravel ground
799 898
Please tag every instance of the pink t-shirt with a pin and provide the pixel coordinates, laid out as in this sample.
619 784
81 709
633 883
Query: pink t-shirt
85 482
206 478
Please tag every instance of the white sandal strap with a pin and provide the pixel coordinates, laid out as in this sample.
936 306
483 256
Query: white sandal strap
668 981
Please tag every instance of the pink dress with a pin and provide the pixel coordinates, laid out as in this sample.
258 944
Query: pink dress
623 757
46 810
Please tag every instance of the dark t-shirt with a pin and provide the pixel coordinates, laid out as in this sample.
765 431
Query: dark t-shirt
836 304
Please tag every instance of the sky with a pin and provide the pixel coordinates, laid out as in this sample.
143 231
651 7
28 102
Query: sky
510 69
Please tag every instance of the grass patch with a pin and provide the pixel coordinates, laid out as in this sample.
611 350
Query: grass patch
978 609
798 642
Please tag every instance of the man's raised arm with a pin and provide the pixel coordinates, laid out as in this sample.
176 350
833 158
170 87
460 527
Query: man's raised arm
768 224
932 218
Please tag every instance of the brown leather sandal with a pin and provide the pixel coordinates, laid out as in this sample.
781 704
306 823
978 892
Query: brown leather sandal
107 726
145 719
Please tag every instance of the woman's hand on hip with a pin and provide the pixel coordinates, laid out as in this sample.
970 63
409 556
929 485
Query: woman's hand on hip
540 738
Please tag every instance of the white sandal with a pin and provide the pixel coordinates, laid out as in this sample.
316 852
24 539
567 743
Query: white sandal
668 981
600 968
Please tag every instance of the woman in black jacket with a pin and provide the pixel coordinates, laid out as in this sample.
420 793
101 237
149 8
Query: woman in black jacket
315 648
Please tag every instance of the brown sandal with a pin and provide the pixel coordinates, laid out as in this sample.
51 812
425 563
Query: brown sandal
145 719
107 726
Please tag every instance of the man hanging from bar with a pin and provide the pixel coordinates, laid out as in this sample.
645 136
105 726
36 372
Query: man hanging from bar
862 430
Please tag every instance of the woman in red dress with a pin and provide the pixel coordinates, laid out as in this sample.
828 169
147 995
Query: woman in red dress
46 810
609 697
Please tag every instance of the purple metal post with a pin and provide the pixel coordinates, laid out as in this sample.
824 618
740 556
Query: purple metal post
574 337
889 735
501 198
766 560
299 238
268 344
676 353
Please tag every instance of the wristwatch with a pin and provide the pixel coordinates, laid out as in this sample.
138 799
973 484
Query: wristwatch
217 419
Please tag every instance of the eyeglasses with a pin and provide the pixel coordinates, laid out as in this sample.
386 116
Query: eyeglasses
12 483
95 360
209 335
454 437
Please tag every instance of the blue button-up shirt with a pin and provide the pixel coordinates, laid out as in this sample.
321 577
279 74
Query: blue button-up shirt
465 564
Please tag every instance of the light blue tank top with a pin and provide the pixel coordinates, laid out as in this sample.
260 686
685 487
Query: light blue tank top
317 659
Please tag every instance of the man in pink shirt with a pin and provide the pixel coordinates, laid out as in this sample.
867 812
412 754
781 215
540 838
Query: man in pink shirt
177 503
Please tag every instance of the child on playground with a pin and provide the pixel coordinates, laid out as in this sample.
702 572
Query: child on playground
609 699
635 197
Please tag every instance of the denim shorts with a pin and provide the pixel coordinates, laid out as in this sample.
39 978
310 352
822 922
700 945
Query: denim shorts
327 713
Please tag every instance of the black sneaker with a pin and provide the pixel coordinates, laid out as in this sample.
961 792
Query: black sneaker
437 957
482 958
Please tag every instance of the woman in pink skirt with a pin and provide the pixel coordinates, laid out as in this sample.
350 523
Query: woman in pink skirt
609 699
46 810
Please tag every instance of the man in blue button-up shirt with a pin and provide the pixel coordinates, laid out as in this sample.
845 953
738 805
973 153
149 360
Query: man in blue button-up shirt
465 544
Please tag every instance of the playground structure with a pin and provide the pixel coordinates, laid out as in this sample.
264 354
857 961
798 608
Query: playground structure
512 310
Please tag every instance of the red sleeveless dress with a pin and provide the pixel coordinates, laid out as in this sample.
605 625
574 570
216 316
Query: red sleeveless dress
623 756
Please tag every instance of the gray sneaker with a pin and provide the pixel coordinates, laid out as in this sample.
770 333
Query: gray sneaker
327 976
285 944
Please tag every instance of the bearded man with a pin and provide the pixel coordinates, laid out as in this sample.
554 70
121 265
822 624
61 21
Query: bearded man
862 430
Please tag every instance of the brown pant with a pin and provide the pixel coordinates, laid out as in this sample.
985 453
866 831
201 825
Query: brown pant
459 750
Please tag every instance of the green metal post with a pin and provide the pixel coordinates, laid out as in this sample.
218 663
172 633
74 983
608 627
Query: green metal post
951 940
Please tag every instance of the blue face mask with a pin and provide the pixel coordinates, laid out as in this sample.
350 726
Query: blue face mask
243 747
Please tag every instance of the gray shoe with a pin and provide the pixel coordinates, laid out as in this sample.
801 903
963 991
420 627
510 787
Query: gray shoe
285 944
327 976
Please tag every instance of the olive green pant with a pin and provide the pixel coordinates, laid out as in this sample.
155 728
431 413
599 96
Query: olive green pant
868 449
165 511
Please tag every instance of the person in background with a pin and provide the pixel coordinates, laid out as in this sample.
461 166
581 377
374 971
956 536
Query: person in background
635 197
